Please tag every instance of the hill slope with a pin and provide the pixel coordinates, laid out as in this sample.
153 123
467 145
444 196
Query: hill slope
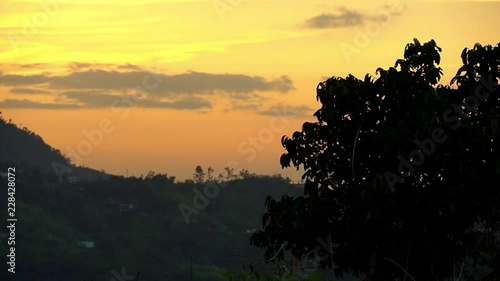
135 223
22 147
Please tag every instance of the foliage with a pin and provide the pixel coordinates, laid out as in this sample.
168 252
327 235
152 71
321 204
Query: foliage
256 276
228 174
151 237
199 175
397 170
22 146
154 177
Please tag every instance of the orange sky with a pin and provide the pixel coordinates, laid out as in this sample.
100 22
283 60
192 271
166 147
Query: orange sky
205 78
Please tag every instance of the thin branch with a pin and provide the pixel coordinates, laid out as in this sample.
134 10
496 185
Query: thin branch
460 275
328 178
454 267
276 254
260 261
354 148
406 272
241 256
407 259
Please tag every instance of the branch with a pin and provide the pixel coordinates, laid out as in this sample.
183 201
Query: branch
406 272
354 148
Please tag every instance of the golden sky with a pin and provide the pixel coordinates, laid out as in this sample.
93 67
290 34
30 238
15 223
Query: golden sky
167 85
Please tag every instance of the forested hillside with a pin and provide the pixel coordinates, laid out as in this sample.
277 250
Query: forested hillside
134 223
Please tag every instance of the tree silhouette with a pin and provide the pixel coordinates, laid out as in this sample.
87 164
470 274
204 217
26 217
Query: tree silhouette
199 175
230 175
397 171
159 178
210 175
245 174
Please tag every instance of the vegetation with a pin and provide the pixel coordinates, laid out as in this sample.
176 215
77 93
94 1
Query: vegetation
24 148
401 174
28 147
135 222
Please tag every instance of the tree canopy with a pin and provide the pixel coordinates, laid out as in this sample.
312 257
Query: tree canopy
402 174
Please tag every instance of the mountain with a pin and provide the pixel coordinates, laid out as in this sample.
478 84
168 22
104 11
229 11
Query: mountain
22 147
68 230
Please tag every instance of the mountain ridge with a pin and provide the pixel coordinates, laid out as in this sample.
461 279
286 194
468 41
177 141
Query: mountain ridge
23 147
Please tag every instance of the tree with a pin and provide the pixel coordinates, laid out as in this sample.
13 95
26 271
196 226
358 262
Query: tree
281 178
397 171
150 175
220 177
245 174
210 175
154 177
230 173
199 175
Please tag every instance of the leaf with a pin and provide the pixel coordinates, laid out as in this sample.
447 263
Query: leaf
283 139
464 56
494 126
310 188
368 215
297 135
269 198
265 218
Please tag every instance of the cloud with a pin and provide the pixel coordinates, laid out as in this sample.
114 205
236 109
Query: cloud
34 65
344 18
129 66
79 66
187 103
24 103
348 17
87 85
245 106
98 79
284 110
158 83
97 100
93 99
28 91
22 80
199 82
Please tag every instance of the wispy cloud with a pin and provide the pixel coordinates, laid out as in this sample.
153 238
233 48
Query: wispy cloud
24 103
22 80
345 17
88 85
28 91
97 100
191 82
287 111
